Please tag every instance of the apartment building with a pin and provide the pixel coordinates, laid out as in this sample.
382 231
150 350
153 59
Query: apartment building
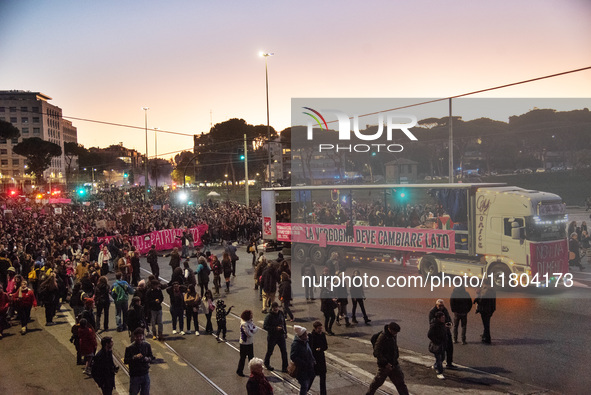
34 116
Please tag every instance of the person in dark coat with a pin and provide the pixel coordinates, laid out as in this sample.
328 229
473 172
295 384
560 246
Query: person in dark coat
327 306
460 303
175 258
103 368
386 352
309 271
135 267
102 293
285 294
319 345
276 333
153 261
136 315
358 297
438 336
302 357
449 346
487 304
574 251
269 280
139 356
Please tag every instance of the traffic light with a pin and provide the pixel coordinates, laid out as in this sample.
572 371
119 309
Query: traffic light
12 193
81 191
242 157
125 175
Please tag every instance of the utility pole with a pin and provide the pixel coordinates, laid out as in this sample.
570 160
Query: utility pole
246 197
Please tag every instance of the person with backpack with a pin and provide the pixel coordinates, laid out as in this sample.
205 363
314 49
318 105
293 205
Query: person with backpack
190 278
120 293
203 274
385 349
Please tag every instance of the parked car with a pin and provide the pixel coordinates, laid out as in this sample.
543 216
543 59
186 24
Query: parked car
540 170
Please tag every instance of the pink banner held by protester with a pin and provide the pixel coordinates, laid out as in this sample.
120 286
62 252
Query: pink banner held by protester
162 239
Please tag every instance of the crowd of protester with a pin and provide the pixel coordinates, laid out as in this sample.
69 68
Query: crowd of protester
50 257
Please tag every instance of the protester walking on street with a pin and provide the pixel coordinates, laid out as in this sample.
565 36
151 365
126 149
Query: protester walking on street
49 296
103 302
386 352
487 304
319 345
358 298
449 346
227 269
285 294
152 258
24 300
103 368
139 356
460 303
177 306
302 357
154 299
87 342
247 331
438 341
203 271
192 307
276 334
308 272
208 308
120 293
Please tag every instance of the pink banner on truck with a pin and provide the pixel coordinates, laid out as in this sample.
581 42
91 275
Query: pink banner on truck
404 239
162 239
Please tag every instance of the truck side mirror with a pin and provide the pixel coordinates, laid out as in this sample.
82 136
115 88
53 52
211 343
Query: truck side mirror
516 231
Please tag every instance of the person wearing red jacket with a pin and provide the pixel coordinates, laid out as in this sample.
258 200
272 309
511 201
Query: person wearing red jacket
24 299
87 341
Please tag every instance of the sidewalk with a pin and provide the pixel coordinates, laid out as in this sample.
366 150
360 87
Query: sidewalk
43 361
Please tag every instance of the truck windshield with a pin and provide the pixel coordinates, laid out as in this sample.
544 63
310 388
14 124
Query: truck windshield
545 228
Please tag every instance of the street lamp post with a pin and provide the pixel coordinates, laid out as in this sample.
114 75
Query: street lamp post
146 181
266 55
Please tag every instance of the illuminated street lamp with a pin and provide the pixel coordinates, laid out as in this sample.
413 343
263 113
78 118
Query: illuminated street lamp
146 181
266 55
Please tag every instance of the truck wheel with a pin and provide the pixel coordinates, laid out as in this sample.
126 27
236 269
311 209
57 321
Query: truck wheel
498 271
300 252
318 255
428 266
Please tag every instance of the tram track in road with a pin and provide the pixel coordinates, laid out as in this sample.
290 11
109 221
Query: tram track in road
284 378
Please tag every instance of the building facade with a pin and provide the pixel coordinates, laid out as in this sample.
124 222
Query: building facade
34 116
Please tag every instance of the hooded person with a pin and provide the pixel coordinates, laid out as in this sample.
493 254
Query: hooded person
302 357
386 351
